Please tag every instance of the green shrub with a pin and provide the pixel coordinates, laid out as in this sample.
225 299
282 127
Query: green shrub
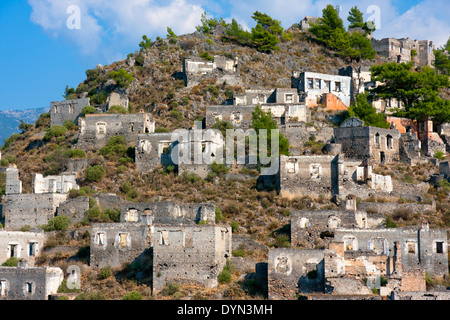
219 168
116 147
95 173
207 56
70 125
224 276
75 153
238 253
43 120
438 154
104 273
58 223
122 78
11 262
170 289
88 110
234 226
9 141
219 216
133 295
55 132
390 223
117 109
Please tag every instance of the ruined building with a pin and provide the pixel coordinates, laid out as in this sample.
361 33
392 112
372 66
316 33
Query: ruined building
405 50
21 245
34 209
222 69
29 283
313 87
97 129
67 110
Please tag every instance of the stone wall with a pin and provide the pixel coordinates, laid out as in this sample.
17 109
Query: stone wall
391 207
20 210
22 245
67 110
377 144
153 150
293 271
96 129
114 244
421 247
309 225
75 208
29 283
185 254
167 213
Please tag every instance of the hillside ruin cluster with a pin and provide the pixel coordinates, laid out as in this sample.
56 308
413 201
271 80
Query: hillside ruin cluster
186 244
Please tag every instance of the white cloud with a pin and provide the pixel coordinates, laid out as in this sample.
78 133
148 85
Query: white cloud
114 25
109 28
427 20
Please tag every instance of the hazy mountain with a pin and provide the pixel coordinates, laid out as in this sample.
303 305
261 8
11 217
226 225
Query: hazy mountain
10 120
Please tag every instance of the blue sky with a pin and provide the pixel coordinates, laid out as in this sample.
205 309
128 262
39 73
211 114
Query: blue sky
40 54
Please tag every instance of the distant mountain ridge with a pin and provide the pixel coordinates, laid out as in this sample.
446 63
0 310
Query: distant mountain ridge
10 120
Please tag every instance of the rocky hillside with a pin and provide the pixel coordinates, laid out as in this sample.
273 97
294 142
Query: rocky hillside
260 216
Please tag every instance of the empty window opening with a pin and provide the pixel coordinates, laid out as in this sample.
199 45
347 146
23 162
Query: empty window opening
29 287
100 239
389 141
3 285
439 247
32 249
411 247
123 239
13 250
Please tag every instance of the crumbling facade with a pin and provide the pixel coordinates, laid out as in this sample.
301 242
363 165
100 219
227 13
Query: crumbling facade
359 142
29 283
67 110
311 86
222 69
405 50
21 245
167 213
97 129
194 254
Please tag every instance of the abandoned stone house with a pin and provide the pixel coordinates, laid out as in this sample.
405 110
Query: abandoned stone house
21 245
365 142
29 283
167 212
34 209
422 247
66 110
240 116
117 99
221 68
96 129
116 243
182 249
401 255
309 225
187 150
54 184
266 96
313 86
192 254
328 175
402 50
305 23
